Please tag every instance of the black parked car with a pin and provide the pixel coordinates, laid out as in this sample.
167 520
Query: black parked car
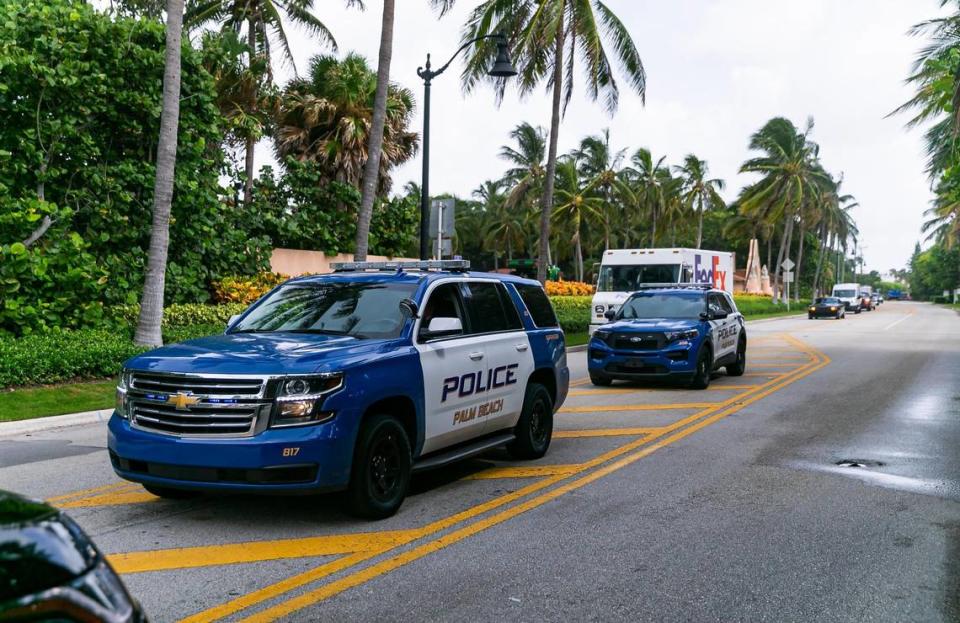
827 306
51 571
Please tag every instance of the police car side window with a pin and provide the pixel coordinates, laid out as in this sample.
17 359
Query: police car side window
715 305
513 316
538 304
730 305
485 308
723 303
444 302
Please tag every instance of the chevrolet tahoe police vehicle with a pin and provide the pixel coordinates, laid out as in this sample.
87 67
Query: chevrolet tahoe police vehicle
350 380
670 331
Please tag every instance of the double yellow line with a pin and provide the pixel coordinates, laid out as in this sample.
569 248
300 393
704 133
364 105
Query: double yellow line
379 544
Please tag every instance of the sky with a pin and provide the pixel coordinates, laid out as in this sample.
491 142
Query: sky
717 70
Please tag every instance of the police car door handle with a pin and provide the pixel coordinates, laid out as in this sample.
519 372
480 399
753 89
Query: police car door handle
476 356
522 347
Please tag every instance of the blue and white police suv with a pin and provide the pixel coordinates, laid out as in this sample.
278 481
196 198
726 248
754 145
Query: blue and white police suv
350 380
683 331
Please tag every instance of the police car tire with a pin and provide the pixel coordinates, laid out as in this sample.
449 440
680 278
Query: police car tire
534 430
701 378
379 433
170 493
601 380
738 367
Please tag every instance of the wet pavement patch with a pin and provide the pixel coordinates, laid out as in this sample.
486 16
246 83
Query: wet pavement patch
22 452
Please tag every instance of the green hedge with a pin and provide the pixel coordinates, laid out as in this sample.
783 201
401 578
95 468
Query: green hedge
573 312
184 315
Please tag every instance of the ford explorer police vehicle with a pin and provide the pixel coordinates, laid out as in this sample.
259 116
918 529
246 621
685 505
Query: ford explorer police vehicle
670 331
350 380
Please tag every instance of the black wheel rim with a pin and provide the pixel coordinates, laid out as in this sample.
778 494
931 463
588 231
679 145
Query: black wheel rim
385 467
702 371
538 423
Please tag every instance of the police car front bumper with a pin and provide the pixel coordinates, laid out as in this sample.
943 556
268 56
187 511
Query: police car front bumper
305 459
676 359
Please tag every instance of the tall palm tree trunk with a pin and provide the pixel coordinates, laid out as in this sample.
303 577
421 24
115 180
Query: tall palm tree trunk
776 269
699 222
546 201
250 143
151 304
799 266
371 171
824 243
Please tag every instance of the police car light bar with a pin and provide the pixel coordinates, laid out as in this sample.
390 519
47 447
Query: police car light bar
664 286
450 265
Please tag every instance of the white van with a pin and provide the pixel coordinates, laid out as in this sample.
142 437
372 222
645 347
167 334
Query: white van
622 271
849 293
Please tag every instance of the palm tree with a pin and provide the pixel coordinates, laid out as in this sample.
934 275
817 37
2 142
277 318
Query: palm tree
151 304
699 192
789 171
649 180
326 118
262 20
503 227
602 167
540 32
527 168
371 170
576 202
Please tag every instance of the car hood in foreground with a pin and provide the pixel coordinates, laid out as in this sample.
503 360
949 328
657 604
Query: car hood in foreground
255 353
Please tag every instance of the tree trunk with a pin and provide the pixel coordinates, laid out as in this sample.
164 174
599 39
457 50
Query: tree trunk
250 143
775 270
699 222
371 171
824 240
799 266
653 226
769 249
546 201
151 304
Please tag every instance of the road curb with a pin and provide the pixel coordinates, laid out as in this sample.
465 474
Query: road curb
577 349
762 320
26 427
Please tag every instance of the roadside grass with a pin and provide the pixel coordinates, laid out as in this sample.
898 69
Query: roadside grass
37 402
577 339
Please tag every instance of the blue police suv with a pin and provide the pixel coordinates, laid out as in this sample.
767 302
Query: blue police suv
350 380
680 331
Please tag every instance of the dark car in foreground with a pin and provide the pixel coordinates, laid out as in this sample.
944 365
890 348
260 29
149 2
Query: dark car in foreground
51 571
827 307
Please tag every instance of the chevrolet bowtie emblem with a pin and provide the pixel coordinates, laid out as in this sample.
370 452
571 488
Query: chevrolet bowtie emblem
182 400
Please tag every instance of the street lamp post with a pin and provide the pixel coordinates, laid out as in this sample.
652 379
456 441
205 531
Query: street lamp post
502 68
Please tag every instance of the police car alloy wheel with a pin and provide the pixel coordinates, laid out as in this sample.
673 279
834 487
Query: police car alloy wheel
381 468
534 430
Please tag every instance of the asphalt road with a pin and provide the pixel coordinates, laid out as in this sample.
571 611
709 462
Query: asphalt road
822 486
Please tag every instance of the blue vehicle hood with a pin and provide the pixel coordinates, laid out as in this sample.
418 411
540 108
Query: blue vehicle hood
256 353
642 325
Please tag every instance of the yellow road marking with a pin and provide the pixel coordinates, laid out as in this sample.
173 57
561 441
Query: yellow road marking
82 492
640 390
604 432
135 495
532 471
660 407
256 551
364 575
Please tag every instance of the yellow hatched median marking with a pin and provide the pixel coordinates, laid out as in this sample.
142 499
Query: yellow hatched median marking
532 471
364 575
133 495
660 407
605 432
58 499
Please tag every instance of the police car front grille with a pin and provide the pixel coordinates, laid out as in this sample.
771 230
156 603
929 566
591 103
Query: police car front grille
196 406
637 341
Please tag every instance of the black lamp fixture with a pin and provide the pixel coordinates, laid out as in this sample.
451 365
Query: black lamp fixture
502 68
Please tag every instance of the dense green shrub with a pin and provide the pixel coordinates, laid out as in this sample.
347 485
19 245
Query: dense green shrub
57 356
182 315
573 312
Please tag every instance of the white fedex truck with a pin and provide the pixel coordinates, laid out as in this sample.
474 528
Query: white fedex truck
622 271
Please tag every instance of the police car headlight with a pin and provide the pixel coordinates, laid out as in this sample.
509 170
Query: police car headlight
123 402
601 335
689 334
300 399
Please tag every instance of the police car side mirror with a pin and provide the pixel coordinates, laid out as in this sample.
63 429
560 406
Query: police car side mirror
442 327
408 307
706 316
720 314
609 314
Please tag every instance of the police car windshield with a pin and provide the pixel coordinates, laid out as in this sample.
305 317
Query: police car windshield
356 309
628 278
663 305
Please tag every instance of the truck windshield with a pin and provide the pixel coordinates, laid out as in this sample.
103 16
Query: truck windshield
845 293
628 278
651 305
358 309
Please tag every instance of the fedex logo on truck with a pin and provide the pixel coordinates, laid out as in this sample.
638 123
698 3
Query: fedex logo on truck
712 275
